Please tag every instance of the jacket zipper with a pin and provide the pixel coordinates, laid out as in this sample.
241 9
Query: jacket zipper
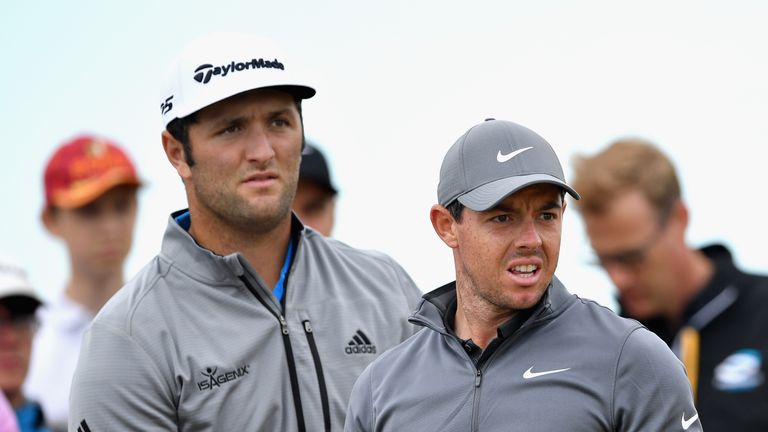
288 354
320 377
476 403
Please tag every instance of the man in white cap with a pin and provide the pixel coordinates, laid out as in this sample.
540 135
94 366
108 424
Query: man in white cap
245 320
505 346
18 304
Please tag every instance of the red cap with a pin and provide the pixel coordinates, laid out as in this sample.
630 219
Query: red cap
83 169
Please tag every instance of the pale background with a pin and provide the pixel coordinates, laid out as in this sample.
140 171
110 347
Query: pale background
398 82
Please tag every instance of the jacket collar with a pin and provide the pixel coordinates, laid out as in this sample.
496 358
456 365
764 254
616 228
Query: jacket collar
435 307
181 251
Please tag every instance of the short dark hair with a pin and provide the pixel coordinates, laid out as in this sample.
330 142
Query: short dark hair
455 208
179 130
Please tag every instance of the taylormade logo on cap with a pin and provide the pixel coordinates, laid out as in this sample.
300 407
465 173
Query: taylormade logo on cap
493 160
220 65
203 73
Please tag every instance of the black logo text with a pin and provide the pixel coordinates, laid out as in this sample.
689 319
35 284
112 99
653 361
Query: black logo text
205 72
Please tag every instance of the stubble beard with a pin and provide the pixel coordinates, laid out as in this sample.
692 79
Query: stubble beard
237 213
493 297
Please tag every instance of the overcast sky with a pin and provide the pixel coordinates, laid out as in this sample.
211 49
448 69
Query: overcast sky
398 82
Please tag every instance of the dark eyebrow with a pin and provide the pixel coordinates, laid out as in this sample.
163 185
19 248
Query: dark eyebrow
507 209
552 205
280 112
224 122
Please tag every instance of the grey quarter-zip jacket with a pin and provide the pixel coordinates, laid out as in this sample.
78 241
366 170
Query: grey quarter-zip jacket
197 342
573 365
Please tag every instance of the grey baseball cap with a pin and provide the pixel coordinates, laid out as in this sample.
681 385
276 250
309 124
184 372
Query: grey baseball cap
493 160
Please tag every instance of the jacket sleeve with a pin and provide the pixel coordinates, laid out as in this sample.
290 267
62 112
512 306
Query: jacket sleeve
116 386
360 416
651 390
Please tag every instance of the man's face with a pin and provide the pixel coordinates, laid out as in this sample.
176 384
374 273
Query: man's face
636 249
506 257
315 206
247 150
15 347
98 235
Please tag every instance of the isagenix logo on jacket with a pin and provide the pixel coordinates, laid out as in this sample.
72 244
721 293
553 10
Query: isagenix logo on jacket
214 379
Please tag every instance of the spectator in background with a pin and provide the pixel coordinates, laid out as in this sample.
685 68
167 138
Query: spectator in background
711 313
315 200
18 303
90 204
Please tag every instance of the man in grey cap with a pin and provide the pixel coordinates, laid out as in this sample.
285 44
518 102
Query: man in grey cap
505 346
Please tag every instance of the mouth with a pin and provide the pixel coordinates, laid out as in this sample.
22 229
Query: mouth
525 274
261 179
525 270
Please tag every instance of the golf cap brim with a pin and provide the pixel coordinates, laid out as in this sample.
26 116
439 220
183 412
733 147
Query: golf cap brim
489 195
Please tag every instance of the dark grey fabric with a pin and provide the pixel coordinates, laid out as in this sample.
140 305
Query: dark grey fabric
572 366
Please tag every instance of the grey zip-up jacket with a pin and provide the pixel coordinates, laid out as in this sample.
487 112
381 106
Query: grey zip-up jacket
196 342
573 365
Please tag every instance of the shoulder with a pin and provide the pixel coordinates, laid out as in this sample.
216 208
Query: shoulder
317 243
352 266
589 313
134 299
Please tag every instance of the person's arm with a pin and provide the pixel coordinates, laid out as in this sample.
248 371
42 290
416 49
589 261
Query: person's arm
652 392
360 416
117 386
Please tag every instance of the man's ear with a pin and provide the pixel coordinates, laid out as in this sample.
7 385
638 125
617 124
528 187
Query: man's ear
174 151
444 225
678 218
49 220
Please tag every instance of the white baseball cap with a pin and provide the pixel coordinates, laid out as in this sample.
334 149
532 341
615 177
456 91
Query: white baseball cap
219 65
14 283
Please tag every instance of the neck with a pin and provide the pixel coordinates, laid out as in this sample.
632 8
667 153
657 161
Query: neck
92 289
15 398
265 251
478 320
695 272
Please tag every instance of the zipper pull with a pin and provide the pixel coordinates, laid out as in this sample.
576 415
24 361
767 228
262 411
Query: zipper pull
307 327
283 325
478 378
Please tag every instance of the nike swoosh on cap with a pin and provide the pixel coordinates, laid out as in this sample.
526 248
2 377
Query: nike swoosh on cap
501 158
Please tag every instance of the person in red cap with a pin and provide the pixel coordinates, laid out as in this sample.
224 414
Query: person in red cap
90 204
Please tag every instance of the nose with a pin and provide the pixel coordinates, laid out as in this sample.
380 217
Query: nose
529 237
620 276
8 336
258 147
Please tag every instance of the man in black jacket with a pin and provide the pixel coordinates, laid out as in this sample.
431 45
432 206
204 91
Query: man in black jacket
696 300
